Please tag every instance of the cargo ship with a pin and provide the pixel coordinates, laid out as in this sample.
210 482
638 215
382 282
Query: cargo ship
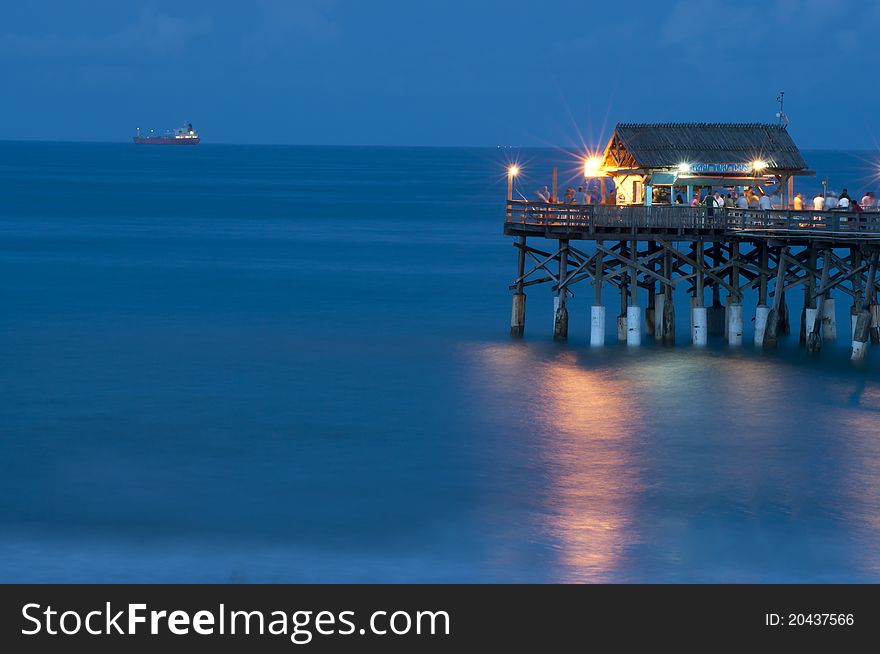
182 136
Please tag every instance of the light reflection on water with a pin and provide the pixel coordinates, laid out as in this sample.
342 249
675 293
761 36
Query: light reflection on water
694 466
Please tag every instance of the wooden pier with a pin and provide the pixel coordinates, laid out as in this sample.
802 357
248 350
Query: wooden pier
662 228
649 252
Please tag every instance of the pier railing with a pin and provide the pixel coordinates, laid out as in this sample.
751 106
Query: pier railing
634 217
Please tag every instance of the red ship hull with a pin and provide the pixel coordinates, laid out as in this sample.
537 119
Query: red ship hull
165 140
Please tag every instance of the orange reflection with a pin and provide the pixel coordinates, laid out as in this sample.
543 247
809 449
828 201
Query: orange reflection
583 426
587 421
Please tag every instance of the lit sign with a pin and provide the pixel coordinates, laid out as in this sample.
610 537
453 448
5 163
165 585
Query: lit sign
721 167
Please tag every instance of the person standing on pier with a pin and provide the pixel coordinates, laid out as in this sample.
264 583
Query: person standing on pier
819 202
798 202
843 201
868 201
742 201
831 201
754 201
543 194
581 197
765 203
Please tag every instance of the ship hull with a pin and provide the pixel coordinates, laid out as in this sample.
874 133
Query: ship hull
165 140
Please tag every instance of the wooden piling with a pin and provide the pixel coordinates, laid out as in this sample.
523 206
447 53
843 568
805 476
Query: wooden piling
518 313
560 324
813 336
771 333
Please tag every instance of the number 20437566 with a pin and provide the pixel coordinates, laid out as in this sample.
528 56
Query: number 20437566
809 619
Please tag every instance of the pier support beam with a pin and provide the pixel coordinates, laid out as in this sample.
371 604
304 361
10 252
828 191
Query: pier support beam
625 281
861 332
597 311
634 326
762 313
734 324
518 315
829 319
560 316
651 311
668 314
659 306
775 317
518 312
809 296
633 310
855 260
814 309
734 317
875 324
597 325
700 319
715 314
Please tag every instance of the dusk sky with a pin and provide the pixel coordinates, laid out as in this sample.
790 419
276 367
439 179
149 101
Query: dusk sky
435 73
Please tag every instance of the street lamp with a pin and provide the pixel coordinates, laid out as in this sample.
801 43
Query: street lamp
512 171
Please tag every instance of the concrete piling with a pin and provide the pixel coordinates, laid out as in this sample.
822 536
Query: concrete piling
518 315
762 313
829 320
700 330
597 326
734 324
861 336
633 326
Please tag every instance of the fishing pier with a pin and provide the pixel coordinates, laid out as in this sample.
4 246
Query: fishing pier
647 247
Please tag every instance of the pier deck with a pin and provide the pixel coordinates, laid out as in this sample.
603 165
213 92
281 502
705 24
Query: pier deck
610 222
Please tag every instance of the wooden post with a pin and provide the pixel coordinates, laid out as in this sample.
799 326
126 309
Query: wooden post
814 335
734 315
762 278
650 285
855 261
560 322
518 313
809 294
668 305
633 310
863 320
597 311
699 290
624 297
771 334
555 189
715 314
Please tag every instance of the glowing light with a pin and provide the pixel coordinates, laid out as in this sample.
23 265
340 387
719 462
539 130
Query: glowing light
684 168
513 171
592 167
759 165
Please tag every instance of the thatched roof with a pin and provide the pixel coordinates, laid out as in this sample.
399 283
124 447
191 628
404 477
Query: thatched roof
669 144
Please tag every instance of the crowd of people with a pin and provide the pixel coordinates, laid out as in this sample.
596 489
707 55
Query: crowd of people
751 199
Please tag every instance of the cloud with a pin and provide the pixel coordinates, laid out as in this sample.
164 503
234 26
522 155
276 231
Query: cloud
767 31
152 34
281 26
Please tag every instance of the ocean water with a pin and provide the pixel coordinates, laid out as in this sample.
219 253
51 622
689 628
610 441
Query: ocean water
291 364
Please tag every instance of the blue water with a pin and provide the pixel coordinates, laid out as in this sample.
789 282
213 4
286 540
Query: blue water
234 363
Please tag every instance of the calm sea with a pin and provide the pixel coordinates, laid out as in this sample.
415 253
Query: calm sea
285 364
